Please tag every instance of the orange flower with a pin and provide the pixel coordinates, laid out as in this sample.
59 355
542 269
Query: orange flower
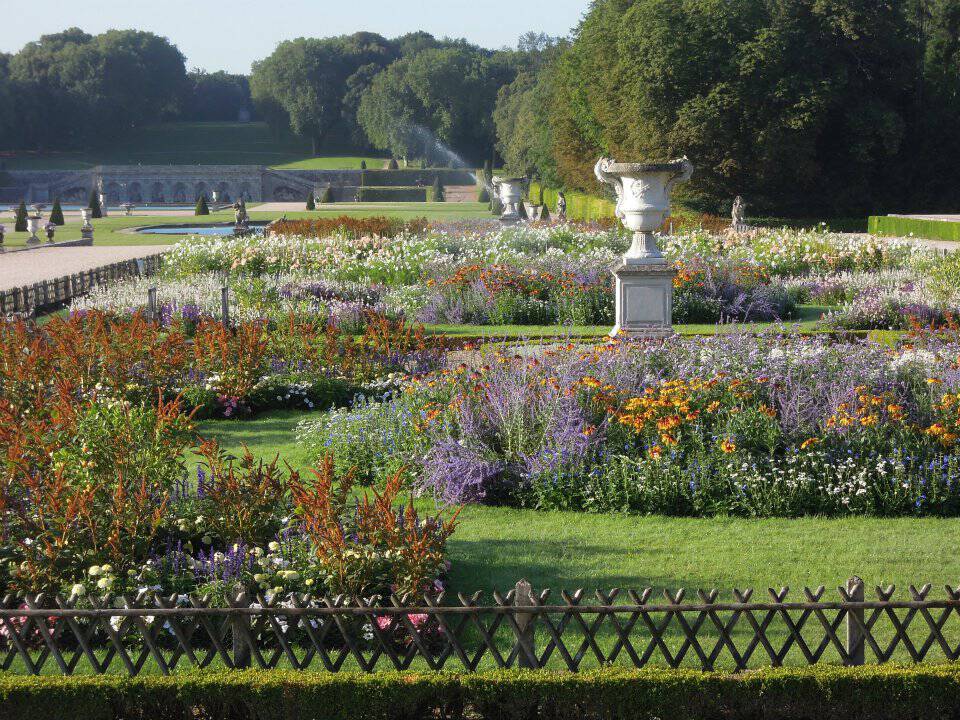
809 443
728 446
655 453
590 382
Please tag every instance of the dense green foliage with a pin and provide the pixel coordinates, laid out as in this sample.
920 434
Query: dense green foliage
71 89
20 218
202 208
217 96
822 693
94 205
825 106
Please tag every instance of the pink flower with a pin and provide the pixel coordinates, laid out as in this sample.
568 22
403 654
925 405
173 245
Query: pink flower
384 622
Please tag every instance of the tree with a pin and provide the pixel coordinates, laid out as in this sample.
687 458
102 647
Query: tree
363 164
303 83
217 96
202 208
94 204
483 196
327 196
437 193
56 213
20 218
311 202
524 138
805 106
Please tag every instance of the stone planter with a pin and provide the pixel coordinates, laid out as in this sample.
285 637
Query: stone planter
86 228
644 278
33 227
510 193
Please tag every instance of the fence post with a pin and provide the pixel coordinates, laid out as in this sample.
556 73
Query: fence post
526 622
225 307
855 639
241 630
152 303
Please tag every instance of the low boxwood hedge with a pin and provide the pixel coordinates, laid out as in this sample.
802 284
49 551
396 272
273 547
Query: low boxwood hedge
904 227
823 693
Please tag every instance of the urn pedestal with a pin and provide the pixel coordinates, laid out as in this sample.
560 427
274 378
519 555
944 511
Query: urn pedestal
86 228
643 277
644 299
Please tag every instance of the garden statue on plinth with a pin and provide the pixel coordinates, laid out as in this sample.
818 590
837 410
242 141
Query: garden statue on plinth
510 193
738 216
644 277
561 207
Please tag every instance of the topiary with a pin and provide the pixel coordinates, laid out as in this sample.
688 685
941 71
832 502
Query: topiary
94 205
311 202
393 165
437 193
487 170
202 207
522 210
56 213
483 196
20 219
327 196
363 164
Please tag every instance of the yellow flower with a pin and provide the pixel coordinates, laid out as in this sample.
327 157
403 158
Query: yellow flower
590 382
809 443
656 452
728 446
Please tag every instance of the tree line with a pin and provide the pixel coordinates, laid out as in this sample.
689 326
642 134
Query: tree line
806 107
74 91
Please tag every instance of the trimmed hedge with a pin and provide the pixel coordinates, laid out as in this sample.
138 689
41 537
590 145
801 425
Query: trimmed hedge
579 205
821 693
903 227
396 178
394 194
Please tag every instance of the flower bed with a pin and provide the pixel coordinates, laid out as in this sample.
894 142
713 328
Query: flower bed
769 426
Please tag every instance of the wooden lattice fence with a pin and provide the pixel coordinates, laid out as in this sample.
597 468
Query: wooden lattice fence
521 628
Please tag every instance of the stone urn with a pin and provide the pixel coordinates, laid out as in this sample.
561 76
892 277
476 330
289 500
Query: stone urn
644 278
86 227
510 193
33 227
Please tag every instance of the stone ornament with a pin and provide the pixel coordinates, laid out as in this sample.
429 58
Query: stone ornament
643 200
510 192
643 277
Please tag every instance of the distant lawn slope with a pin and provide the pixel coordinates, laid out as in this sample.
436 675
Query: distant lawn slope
193 144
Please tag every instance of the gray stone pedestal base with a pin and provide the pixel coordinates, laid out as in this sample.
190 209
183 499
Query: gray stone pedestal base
644 299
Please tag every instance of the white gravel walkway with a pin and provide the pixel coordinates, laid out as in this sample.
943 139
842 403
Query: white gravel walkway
33 266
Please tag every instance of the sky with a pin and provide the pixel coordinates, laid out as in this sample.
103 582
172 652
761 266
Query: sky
230 34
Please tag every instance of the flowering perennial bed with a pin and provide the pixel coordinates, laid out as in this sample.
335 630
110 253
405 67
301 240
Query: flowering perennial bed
741 425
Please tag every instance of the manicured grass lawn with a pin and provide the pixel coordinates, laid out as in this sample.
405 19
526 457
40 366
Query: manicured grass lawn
495 547
338 162
110 230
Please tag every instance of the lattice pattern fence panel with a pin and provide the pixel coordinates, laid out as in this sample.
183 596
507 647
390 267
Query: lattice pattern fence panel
521 628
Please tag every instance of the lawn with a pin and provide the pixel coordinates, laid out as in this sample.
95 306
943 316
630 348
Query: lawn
111 230
494 547
192 143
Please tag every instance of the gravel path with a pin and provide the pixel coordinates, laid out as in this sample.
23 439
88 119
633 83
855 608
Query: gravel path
33 266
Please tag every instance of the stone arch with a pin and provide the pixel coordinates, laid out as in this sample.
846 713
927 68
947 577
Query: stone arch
223 192
134 192
112 192
79 194
285 193
244 191
200 189
158 193
180 193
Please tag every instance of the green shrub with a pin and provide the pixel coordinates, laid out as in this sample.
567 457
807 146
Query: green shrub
483 196
56 214
393 194
393 165
202 207
311 201
824 693
327 195
437 193
20 218
363 164
579 205
94 204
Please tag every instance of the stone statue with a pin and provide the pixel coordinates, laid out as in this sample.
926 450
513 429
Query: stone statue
739 214
240 216
561 207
